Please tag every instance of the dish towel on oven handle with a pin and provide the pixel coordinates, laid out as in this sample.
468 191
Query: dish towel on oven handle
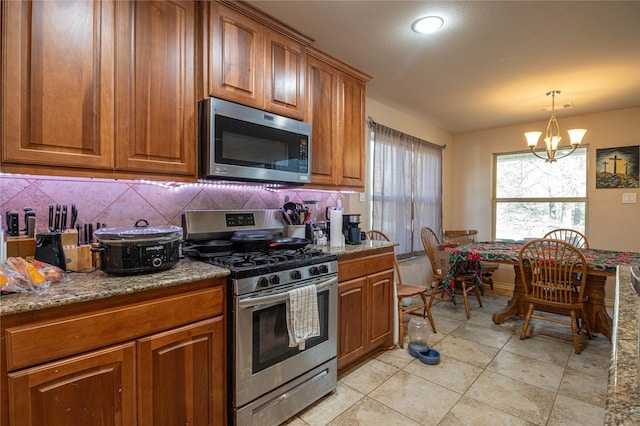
302 315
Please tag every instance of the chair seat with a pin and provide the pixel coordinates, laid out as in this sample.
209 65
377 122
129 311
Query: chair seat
409 290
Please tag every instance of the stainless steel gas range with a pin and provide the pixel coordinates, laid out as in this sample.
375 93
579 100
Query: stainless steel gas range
269 381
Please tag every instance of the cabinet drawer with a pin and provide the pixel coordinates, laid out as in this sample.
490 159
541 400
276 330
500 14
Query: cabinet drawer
360 267
36 343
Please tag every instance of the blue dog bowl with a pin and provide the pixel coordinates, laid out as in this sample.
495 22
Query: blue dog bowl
431 357
416 348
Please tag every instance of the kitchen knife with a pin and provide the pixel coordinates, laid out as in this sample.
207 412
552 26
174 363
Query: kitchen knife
28 212
90 233
79 229
13 229
51 207
63 224
74 216
86 233
56 224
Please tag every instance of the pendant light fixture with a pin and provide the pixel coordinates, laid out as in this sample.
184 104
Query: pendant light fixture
552 136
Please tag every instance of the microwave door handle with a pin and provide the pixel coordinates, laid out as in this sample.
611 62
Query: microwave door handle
280 297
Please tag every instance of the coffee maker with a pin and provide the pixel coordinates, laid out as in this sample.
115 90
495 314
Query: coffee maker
351 228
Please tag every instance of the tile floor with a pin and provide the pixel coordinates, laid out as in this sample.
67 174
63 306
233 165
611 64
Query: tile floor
487 376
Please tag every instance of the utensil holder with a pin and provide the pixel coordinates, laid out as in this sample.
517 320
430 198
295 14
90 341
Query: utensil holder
295 231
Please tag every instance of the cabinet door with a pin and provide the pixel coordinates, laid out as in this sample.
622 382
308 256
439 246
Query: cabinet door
95 388
236 56
351 107
58 82
156 108
284 75
181 376
381 304
322 95
352 320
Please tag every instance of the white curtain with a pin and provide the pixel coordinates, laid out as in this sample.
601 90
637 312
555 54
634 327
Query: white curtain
407 187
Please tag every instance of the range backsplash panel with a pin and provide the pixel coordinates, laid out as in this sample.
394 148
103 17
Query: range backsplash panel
121 203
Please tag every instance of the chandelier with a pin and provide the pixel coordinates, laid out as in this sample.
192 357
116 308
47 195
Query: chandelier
552 136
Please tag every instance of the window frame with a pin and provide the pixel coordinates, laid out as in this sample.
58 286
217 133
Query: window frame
495 200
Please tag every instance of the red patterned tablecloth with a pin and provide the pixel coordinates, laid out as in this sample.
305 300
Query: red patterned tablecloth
466 259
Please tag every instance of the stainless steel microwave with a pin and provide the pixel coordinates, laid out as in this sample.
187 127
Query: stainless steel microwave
247 144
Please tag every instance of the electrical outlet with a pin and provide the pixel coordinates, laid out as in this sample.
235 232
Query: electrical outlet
362 197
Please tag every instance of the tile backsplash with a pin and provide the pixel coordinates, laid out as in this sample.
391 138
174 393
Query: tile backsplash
121 203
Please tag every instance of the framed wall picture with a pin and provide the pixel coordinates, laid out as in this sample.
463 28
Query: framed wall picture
618 167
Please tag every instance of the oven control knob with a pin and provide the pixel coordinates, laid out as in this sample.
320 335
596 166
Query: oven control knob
263 282
324 269
274 279
314 270
296 275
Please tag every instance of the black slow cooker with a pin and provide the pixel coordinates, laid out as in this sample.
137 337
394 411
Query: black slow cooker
137 249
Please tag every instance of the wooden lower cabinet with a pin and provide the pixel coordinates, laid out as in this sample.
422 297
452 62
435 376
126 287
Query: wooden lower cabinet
181 376
352 320
365 306
95 388
170 369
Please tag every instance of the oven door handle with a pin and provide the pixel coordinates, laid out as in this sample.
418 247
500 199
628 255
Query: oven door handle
279 297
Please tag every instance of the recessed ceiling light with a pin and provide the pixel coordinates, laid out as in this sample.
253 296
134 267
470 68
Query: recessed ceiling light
428 24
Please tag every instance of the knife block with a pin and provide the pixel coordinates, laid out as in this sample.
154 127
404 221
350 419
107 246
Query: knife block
78 258
69 238
21 247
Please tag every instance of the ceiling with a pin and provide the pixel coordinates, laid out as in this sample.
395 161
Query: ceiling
492 62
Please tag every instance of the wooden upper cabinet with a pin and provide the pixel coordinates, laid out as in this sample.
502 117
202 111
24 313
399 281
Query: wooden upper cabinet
322 103
335 108
236 56
254 64
155 91
284 75
351 112
58 82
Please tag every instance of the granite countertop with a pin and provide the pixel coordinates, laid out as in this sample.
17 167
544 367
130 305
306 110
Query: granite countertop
623 393
366 245
82 287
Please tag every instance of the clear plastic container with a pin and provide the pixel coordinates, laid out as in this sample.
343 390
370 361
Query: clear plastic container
418 330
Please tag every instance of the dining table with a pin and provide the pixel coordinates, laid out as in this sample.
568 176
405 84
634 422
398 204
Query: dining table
600 265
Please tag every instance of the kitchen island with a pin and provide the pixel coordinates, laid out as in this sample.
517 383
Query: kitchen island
623 393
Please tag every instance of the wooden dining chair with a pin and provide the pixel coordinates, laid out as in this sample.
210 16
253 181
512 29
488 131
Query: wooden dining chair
463 283
466 236
405 291
571 236
551 272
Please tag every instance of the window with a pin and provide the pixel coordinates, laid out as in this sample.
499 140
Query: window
533 197
406 187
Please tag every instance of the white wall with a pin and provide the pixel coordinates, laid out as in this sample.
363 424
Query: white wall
610 224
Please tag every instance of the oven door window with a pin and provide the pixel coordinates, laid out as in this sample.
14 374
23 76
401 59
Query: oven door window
240 143
271 339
